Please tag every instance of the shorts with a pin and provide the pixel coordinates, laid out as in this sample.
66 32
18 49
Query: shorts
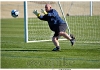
60 28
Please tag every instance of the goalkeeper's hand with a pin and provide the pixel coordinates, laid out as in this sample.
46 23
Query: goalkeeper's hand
36 13
44 12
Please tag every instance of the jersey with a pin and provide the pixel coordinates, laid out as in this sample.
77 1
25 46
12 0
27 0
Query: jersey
53 19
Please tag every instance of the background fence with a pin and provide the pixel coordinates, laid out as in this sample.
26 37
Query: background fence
72 7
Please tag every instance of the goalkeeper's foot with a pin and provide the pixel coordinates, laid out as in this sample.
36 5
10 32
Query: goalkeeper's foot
56 49
72 40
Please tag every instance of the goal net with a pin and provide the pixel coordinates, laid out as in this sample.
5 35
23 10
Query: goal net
38 30
83 26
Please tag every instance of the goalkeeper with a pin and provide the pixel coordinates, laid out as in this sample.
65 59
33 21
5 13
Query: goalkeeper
56 24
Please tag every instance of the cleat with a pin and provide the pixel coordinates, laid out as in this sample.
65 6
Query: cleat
55 49
72 40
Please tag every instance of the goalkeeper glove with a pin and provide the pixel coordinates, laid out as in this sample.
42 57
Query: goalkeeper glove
44 12
36 13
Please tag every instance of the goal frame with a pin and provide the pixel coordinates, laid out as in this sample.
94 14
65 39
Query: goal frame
26 23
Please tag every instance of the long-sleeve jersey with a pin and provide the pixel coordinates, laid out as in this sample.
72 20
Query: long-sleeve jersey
52 18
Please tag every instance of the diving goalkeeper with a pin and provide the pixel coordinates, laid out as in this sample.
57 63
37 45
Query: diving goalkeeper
56 24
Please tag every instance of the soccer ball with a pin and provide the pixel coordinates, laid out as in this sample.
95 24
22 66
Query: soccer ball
14 13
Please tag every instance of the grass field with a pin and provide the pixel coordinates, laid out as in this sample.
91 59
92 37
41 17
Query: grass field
15 53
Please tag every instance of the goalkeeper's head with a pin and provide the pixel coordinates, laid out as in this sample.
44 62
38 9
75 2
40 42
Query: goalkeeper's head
47 7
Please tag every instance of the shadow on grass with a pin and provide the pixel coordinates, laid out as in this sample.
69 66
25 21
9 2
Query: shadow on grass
30 50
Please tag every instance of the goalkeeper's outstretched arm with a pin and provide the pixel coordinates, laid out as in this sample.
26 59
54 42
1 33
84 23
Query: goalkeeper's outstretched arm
41 17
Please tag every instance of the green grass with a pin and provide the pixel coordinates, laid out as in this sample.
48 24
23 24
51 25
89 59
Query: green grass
15 53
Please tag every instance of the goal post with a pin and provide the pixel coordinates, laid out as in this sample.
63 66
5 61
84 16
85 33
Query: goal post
91 8
25 22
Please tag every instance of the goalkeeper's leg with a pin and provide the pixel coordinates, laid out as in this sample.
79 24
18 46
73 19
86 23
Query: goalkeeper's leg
69 37
62 32
56 43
